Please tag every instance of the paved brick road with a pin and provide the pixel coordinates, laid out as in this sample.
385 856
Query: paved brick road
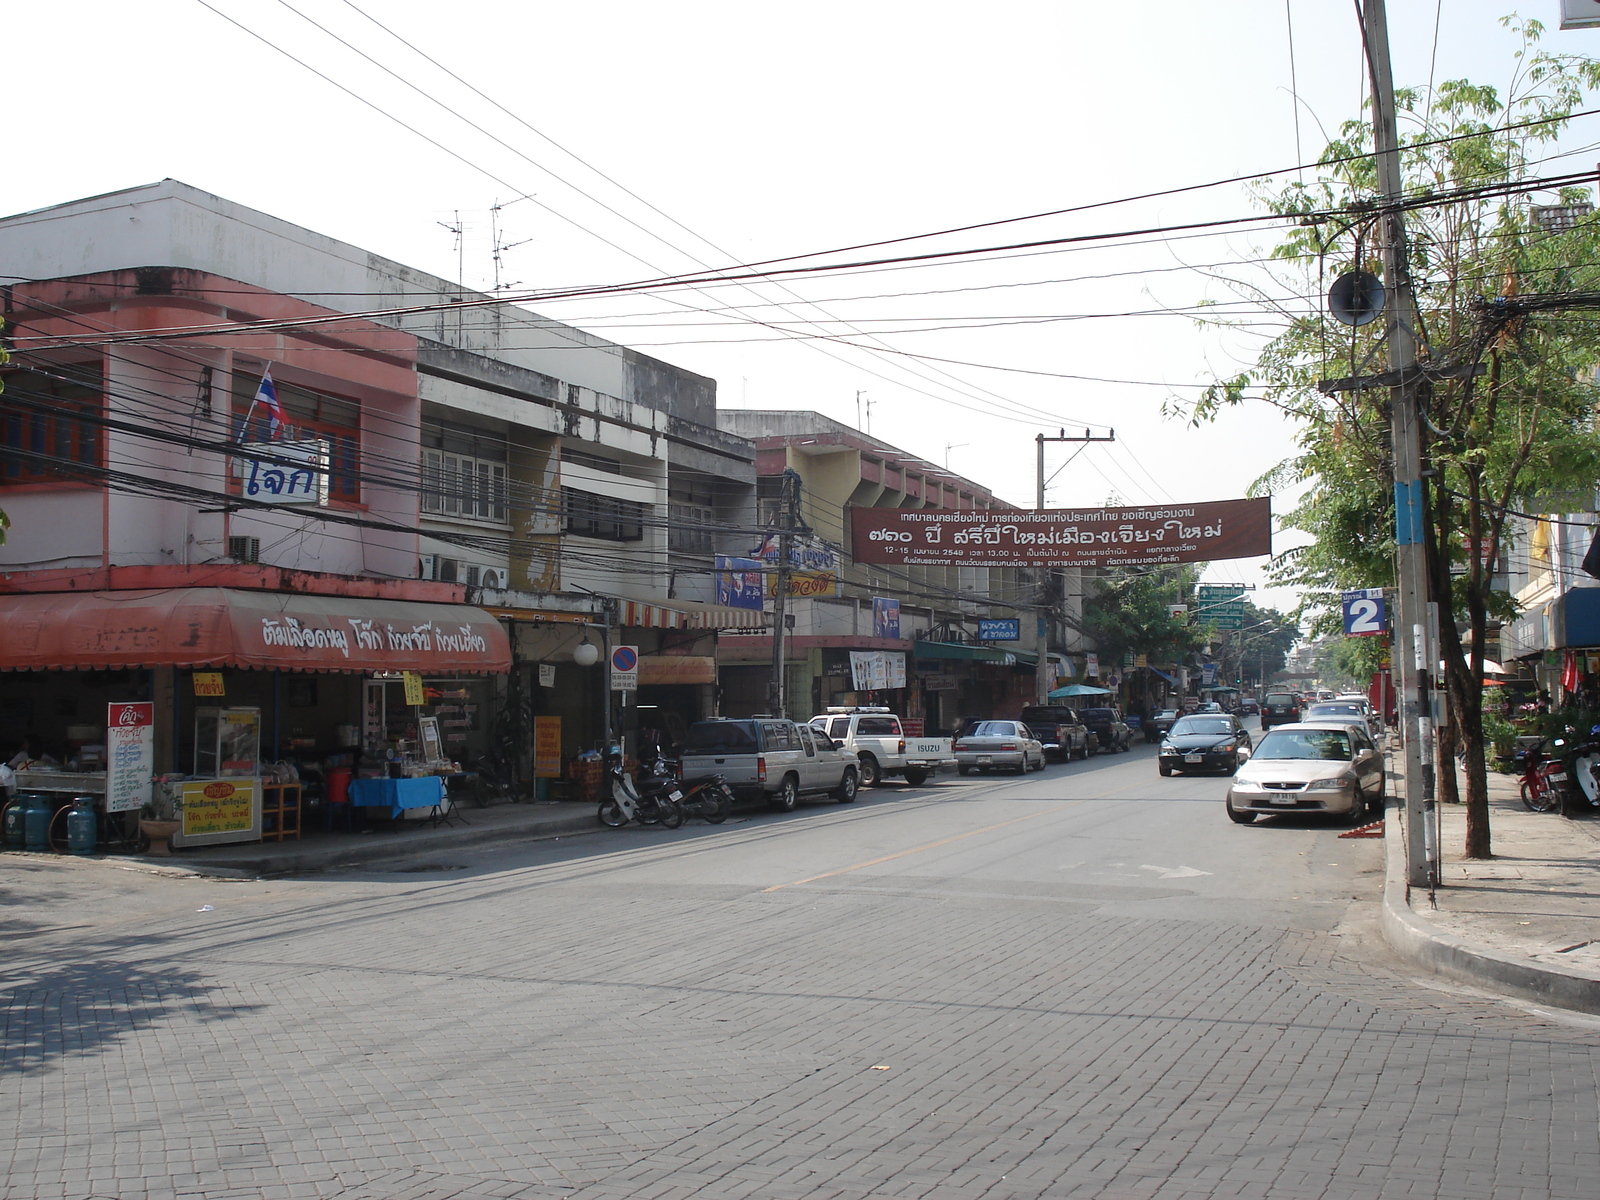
1122 997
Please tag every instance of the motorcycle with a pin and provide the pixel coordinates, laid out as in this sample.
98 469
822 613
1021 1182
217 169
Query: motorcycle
1544 783
707 796
652 806
1581 797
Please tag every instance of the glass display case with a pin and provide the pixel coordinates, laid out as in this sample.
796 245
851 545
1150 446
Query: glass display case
227 743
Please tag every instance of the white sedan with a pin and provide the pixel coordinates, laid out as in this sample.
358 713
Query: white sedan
998 746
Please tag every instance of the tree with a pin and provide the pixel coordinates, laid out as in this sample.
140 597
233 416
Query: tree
1493 442
1129 614
1261 647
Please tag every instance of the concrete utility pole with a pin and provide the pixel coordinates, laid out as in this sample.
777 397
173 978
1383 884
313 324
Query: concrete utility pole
788 523
1038 619
1412 645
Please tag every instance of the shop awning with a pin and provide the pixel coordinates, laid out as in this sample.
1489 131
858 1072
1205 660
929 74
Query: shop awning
688 614
1078 689
658 669
226 627
1170 679
959 650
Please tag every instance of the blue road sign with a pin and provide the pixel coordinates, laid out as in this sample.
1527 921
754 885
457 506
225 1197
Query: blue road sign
1365 612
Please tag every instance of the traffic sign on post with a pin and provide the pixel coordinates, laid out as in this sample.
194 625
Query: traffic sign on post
625 668
1220 606
1365 612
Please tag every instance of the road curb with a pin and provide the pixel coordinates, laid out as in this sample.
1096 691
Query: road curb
1456 958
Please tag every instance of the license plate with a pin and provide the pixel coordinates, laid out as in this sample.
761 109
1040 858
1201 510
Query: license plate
675 794
1282 797
985 758
1194 758
1557 777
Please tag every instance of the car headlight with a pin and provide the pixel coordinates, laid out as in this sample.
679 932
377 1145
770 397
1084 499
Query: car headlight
1226 746
1329 785
1168 748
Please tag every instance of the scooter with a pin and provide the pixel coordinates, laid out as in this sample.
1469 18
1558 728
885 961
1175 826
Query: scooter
1581 796
626 803
707 796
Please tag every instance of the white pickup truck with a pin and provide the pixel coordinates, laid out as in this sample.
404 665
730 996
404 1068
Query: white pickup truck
877 739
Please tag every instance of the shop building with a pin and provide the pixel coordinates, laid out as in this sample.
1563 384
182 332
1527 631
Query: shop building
439 485
1557 631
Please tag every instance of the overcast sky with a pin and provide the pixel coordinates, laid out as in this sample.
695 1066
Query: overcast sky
769 131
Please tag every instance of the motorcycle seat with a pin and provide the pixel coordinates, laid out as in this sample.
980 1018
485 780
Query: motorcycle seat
697 780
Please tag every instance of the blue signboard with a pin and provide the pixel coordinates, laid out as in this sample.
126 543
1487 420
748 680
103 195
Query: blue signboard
999 631
885 617
1365 613
739 583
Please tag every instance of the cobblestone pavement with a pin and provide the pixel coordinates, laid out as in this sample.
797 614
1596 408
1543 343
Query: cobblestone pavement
1083 984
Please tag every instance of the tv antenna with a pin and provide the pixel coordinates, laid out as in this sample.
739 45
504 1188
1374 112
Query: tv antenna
500 247
461 246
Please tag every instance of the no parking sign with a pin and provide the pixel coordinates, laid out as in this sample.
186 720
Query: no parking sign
625 668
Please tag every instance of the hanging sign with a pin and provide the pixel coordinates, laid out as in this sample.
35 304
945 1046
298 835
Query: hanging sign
297 476
414 693
1365 614
547 747
877 670
547 674
130 755
625 668
208 683
1094 537
1000 630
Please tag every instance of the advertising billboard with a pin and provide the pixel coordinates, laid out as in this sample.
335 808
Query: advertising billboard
1096 537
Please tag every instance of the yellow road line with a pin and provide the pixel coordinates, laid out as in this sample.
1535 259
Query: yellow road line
778 887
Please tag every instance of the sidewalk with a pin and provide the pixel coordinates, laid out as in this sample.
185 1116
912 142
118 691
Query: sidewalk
500 823
1526 922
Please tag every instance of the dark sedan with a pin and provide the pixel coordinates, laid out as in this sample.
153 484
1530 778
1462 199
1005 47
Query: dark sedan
1204 742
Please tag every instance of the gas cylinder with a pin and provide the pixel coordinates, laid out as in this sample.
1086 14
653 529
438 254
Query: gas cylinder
81 823
13 831
36 813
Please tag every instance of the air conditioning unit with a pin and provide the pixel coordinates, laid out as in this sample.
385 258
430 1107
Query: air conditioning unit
244 549
472 576
425 569
492 577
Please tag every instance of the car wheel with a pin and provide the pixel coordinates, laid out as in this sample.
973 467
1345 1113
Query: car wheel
788 795
1166 771
1239 818
1358 813
963 770
916 777
1040 767
1022 767
845 793
871 773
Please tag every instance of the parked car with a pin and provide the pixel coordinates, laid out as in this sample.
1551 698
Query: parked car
1310 768
1059 730
1340 711
1279 708
765 758
1160 723
1108 727
1210 706
999 746
1204 742
879 742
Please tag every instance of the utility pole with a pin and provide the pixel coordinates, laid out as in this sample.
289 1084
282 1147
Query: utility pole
788 521
1413 646
1038 618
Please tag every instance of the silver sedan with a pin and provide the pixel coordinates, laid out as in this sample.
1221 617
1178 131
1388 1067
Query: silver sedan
999 746
1324 767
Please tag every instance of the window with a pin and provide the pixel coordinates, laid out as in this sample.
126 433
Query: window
43 433
464 473
691 513
311 414
878 727
588 515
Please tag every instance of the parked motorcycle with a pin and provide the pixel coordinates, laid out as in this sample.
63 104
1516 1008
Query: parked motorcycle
652 806
1544 781
706 796
1581 796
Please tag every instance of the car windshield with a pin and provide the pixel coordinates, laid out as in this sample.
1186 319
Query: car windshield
720 737
1331 744
1335 710
993 729
1202 725
1281 699
1097 714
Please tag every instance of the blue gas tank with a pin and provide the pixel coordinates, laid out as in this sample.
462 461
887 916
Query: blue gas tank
81 826
36 813
14 834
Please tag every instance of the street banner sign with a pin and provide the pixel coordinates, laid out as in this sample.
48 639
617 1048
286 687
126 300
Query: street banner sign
1365 612
625 668
1094 537
999 630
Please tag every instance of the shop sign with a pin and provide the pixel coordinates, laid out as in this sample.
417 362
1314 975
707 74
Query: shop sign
1091 666
813 567
298 476
940 683
208 683
885 618
911 726
1364 612
1004 630
218 806
547 674
625 668
739 582
877 670
806 583
130 755
415 696
547 747
1097 537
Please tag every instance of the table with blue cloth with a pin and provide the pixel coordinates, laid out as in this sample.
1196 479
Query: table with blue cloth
397 795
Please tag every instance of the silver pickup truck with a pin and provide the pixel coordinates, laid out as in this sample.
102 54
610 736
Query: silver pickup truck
879 742
769 759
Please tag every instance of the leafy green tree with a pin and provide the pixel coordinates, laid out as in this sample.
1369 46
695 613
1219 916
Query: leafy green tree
1128 613
1493 442
1260 649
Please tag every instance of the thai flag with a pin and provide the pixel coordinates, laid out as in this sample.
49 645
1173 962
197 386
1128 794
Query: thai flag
267 397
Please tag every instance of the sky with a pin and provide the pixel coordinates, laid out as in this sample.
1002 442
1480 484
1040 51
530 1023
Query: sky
604 143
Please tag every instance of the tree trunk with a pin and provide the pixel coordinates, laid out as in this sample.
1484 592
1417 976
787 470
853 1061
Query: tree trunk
1449 739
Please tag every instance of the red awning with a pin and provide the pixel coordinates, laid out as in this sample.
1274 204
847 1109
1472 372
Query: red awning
224 627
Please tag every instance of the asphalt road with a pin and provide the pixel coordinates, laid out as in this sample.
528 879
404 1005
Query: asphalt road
1082 983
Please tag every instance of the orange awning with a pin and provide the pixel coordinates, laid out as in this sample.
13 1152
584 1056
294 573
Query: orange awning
676 668
226 627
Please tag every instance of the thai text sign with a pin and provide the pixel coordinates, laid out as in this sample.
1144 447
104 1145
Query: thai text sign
1093 537
130 755
218 806
1005 629
739 582
298 476
877 670
547 747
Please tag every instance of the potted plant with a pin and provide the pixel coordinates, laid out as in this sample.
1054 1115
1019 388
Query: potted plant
162 816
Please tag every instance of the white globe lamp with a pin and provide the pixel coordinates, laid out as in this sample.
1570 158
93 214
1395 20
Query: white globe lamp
586 653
